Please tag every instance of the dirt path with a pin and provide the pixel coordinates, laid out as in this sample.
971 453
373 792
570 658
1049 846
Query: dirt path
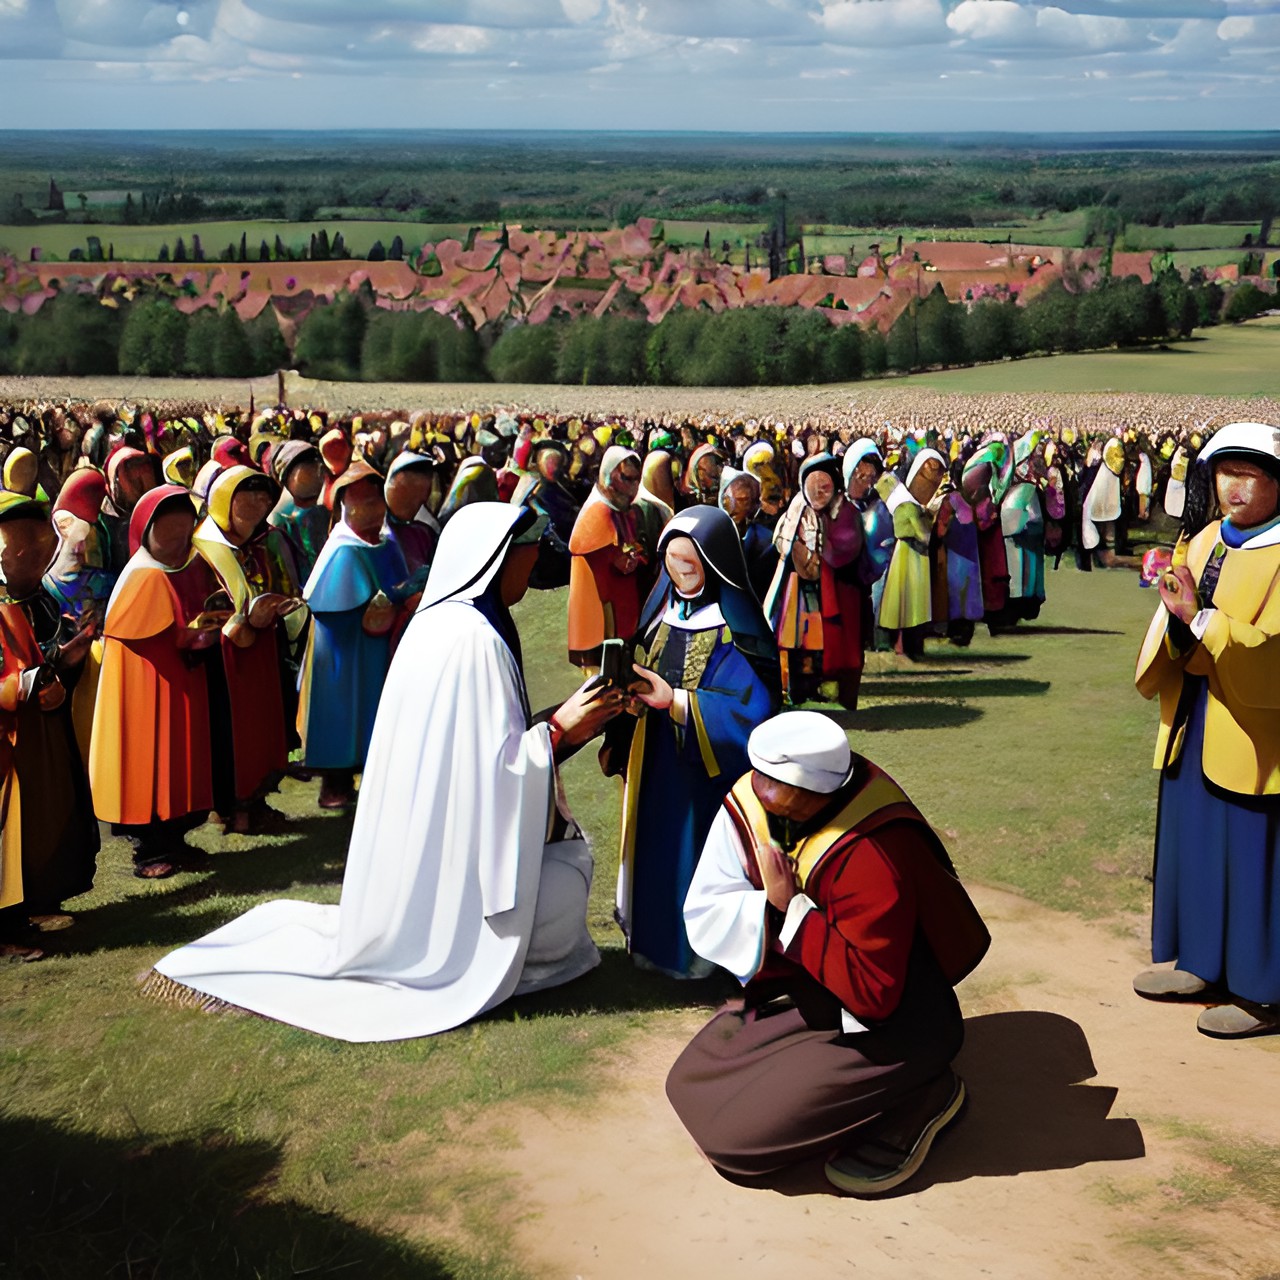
1088 1148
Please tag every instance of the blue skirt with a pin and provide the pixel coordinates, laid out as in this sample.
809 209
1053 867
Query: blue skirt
1216 907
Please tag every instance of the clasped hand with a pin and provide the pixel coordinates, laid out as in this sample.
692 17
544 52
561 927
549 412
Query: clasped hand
1178 591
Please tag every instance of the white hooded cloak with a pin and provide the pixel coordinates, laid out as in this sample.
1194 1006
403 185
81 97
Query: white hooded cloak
446 868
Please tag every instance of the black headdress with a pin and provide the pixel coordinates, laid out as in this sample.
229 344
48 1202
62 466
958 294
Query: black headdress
725 583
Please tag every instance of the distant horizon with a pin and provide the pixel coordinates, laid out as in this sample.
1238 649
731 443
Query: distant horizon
799 133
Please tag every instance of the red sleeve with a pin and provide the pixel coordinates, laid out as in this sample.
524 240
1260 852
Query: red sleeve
858 940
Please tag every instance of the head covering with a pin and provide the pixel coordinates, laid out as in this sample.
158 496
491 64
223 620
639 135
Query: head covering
205 477
148 509
995 454
230 452
180 467
336 450
855 453
472 547
407 458
285 456
1254 442
357 471
825 464
690 477
82 495
920 459
474 482
801 749
726 583
21 471
1113 456
614 456
17 506
225 487
730 474
117 461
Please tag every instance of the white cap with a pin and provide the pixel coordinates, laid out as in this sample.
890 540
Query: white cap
803 749
1244 437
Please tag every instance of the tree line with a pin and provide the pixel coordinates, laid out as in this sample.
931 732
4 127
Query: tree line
352 339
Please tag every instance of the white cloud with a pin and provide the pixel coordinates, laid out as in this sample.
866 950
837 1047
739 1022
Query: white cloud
1260 32
696 63
442 38
883 22
1013 25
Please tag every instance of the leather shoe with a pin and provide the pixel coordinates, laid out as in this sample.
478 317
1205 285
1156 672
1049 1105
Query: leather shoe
1170 984
1239 1021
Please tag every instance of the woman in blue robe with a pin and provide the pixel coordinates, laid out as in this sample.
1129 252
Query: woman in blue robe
357 592
708 668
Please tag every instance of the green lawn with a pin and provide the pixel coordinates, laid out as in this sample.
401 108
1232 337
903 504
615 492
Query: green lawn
142 1139
1227 360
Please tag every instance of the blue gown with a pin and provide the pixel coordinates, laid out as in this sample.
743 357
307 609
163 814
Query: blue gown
1216 907
684 775
346 668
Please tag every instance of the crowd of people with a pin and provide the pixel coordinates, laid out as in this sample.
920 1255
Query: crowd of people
197 603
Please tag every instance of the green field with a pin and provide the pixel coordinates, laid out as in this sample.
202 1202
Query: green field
1208 236
1227 360
146 1140
1198 245
56 240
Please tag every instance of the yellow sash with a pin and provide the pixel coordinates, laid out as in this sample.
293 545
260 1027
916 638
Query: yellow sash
880 792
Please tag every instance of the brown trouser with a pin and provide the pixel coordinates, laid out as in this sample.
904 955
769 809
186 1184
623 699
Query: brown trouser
759 1089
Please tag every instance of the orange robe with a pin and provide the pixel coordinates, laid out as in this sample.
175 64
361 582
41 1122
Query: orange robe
150 757
604 602
18 652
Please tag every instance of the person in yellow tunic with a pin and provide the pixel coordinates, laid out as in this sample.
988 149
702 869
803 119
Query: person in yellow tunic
1212 657
906 607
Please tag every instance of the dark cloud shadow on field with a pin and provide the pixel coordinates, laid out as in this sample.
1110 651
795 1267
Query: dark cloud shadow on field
1028 1109
203 1207
617 985
314 853
980 687
910 714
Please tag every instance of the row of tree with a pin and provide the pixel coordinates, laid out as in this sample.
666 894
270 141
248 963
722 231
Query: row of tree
351 339
74 334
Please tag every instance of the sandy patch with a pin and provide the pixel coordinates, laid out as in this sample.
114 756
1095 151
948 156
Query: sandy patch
1064 1164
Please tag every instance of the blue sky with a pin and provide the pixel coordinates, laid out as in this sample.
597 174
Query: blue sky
846 65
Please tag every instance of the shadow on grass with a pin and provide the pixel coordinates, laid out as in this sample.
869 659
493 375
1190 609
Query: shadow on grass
921 714
941 661
988 687
1038 629
1028 1108
82 1205
616 985
315 855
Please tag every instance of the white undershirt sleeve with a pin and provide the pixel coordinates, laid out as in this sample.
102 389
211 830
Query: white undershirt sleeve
723 913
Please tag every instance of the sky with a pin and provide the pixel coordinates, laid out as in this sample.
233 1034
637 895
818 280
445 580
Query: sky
749 65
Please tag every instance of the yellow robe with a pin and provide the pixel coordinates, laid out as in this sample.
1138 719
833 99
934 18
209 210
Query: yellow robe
1239 654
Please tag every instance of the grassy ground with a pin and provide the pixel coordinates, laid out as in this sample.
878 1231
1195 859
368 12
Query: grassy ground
1227 360
145 1140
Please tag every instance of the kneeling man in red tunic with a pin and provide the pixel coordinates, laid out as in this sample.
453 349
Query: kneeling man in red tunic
827 894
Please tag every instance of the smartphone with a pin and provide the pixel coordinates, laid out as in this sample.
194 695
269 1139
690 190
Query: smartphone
615 670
